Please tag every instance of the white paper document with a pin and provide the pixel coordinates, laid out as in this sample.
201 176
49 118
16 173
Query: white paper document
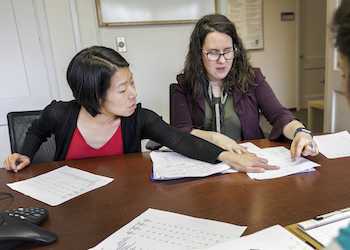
155 229
272 238
60 185
335 145
278 156
171 165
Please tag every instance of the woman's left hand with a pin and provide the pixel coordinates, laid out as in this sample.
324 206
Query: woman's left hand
303 144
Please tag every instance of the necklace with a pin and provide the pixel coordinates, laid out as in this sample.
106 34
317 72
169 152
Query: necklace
217 84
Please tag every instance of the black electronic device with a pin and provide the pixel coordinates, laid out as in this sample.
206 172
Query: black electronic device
18 226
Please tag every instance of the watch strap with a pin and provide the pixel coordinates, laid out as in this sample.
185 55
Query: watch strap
303 130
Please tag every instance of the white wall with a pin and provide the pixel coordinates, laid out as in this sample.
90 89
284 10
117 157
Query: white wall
157 52
278 58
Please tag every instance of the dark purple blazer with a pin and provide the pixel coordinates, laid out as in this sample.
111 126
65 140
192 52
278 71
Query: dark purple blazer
188 115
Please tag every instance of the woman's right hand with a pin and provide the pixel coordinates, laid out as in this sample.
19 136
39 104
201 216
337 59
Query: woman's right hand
228 144
16 162
248 162
220 140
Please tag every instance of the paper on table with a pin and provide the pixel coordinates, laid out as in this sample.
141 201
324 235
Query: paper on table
278 156
60 185
156 229
334 145
171 165
272 238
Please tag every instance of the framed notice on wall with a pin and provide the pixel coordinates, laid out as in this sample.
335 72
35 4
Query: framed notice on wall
145 12
248 19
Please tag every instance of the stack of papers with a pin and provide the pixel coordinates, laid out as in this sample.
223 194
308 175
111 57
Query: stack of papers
279 156
171 165
156 229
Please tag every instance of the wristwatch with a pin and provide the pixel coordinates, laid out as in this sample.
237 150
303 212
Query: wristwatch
303 130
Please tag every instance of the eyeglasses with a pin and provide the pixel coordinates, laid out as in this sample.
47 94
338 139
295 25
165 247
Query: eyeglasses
214 56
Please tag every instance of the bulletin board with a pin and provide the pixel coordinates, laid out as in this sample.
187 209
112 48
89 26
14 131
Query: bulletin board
145 12
247 15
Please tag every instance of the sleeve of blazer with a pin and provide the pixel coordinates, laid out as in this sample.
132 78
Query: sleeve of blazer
272 109
182 109
184 143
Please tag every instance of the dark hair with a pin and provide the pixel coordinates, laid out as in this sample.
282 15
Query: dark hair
89 75
241 73
341 29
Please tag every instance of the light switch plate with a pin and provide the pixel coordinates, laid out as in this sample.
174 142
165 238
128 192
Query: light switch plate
121 44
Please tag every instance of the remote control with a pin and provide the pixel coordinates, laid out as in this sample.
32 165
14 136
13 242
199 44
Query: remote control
34 215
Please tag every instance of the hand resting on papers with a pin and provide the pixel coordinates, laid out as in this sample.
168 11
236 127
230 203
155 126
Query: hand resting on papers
248 162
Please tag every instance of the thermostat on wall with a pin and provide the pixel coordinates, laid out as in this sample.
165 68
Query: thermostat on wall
287 16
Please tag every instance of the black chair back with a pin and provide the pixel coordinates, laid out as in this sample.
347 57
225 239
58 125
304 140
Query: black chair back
18 124
171 90
152 145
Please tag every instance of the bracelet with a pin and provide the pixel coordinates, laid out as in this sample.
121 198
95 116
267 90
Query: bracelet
303 130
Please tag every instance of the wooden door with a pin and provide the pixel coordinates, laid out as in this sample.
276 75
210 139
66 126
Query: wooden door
25 81
312 50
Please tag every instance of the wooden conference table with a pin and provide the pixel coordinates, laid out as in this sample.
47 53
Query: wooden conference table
85 221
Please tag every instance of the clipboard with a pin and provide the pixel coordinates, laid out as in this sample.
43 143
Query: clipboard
324 228
303 236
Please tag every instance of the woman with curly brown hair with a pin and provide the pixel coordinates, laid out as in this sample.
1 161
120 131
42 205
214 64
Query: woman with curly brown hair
220 95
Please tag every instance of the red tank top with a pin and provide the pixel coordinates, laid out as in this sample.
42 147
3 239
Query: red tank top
79 149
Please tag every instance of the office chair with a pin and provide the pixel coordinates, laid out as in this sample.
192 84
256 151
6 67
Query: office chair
152 145
18 124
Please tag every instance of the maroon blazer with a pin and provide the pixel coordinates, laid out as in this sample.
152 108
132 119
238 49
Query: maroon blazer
188 115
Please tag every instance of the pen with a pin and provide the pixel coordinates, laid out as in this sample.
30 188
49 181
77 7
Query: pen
321 217
310 244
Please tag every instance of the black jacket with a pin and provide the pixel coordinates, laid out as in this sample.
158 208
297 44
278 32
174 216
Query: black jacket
60 119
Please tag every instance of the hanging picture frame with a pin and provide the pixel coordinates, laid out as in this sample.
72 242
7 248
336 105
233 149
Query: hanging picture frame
140 12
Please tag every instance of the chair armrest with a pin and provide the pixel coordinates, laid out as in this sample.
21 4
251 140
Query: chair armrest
152 145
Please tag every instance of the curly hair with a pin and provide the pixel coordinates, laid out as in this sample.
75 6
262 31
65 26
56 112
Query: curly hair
241 74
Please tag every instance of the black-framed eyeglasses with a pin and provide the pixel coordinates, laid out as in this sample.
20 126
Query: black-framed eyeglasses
214 56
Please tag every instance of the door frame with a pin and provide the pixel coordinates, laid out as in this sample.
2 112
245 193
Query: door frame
333 73
297 55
